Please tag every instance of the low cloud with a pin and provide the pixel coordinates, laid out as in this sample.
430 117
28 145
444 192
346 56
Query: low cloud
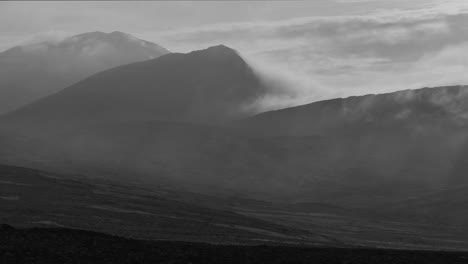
324 57
304 59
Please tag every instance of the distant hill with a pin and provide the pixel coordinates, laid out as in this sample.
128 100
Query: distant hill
208 86
183 118
415 137
32 71
407 109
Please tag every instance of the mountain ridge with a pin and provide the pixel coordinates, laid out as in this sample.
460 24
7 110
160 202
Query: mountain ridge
31 71
372 108
385 146
210 86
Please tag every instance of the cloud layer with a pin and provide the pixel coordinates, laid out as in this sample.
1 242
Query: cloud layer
324 57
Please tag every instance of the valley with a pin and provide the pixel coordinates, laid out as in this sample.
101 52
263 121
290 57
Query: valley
171 149
32 198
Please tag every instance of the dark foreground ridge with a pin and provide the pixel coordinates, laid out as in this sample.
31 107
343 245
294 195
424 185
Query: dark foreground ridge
59 245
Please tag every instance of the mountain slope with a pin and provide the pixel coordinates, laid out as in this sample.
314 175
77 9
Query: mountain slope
157 118
207 86
32 71
368 155
403 109
412 136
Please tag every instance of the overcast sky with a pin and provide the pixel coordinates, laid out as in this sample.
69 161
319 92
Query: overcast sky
320 49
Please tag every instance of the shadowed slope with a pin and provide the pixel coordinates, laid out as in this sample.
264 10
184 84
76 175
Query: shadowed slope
413 109
207 86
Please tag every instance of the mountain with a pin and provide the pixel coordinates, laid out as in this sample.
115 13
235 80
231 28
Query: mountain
407 109
380 170
208 86
185 119
384 170
355 152
32 71
158 118
412 137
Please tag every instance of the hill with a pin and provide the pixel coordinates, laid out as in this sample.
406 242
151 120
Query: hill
32 71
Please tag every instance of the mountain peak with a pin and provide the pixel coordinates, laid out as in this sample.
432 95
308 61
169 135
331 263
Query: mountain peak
103 36
219 54
218 50
222 49
119 33
34 70
206 86
87 35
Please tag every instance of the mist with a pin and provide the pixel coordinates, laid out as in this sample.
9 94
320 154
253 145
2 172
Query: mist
328 57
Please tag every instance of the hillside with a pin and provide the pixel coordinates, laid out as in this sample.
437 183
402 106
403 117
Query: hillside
33 71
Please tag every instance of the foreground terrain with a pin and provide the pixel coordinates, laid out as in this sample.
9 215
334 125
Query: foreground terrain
30 198
34 198
57 245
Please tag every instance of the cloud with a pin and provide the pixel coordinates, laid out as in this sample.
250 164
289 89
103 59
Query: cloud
388 46
324 57
51 36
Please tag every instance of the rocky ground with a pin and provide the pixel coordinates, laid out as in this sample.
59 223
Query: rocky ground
59 245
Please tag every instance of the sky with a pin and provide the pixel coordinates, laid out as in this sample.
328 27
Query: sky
316 49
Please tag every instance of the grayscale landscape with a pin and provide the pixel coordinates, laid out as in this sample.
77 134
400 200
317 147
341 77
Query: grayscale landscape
251 132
